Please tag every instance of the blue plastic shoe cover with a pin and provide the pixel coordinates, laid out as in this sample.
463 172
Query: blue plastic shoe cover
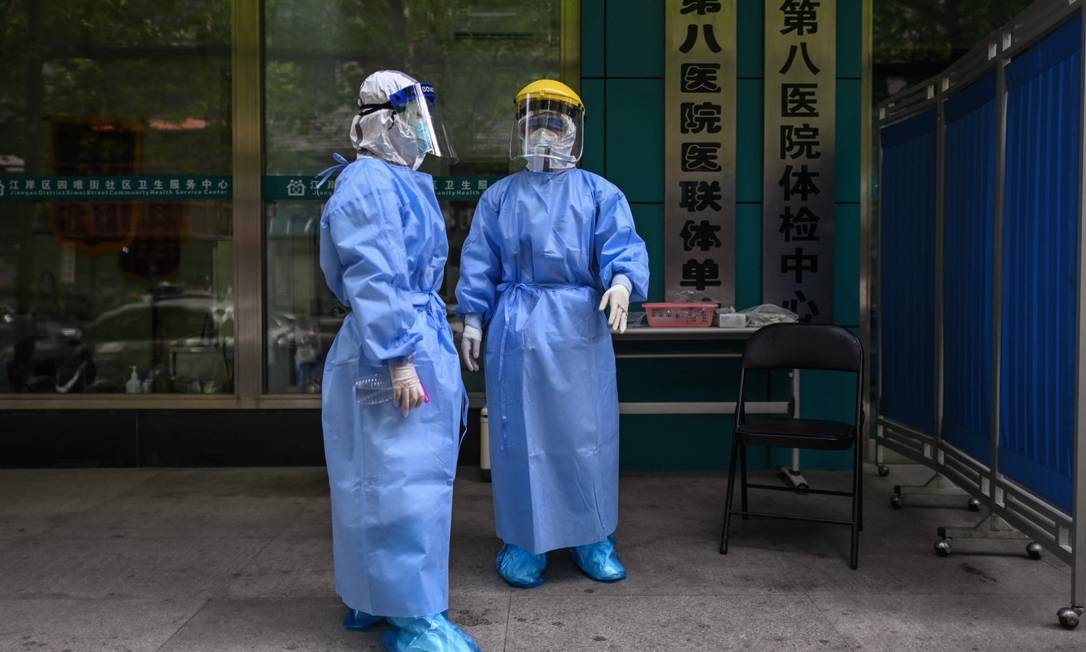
600 561
519 567
428 634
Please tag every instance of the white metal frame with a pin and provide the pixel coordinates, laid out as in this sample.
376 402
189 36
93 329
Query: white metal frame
1062 533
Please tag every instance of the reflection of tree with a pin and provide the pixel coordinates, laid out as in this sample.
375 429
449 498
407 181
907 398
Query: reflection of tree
477 53
915 39
132 61
120 62
114 87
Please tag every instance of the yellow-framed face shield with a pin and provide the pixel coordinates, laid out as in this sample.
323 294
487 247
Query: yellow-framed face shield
548 126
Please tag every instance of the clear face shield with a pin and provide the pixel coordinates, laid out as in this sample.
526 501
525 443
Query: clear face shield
547 133
416 108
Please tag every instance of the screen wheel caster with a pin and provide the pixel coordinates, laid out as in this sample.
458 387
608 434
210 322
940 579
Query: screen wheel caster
1069 617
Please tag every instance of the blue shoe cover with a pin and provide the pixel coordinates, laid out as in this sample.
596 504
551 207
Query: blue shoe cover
428 634
599 561
357 620
519 567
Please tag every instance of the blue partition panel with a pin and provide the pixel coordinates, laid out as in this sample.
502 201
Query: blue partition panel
907 272
1040 266
969 191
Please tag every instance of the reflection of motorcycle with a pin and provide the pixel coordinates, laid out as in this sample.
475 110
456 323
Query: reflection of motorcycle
177 343
46 356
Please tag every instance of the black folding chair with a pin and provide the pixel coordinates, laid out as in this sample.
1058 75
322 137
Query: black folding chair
799 346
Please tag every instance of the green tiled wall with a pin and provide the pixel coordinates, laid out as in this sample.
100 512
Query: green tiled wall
622 68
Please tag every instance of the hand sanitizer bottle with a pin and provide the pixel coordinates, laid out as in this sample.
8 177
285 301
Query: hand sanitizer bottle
133 386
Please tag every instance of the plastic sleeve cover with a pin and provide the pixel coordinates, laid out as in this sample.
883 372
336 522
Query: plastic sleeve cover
480 263
619 250
368 238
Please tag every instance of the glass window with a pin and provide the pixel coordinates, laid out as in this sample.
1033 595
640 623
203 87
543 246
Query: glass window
115 214
476 53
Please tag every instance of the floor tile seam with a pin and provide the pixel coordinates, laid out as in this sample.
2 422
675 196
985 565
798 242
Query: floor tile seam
222 584
508 617
185 624
851 643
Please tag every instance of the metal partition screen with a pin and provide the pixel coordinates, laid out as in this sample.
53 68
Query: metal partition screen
981 304
1040 265
969 232
906 317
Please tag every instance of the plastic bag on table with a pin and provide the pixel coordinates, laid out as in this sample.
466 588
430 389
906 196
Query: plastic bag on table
767 314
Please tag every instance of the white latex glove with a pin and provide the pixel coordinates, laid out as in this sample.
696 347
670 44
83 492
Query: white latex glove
618 300
407 391
470 343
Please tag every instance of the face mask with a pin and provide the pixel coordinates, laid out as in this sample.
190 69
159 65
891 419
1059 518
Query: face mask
422 137
541 141
540 145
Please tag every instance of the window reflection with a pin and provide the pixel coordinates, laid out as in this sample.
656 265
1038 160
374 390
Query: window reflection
103 289
476 53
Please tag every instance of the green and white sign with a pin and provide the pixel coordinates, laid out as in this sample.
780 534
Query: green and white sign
198 188
180 187
303 188
464 188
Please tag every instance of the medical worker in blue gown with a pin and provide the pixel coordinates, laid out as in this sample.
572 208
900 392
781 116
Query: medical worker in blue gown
391 464
544 245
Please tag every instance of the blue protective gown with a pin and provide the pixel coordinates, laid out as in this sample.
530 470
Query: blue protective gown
541 249
383 251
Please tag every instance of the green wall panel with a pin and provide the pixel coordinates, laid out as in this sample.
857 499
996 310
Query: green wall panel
750 38
657 442
846 265
850 38
748 255
849 108
649 219
635 38
750 139
593 95
635 137
592 38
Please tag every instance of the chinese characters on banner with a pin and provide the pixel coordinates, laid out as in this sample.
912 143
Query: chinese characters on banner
302 188
114 188
800 95
198 188
699 249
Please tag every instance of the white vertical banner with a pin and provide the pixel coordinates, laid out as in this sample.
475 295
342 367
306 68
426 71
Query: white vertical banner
800 109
